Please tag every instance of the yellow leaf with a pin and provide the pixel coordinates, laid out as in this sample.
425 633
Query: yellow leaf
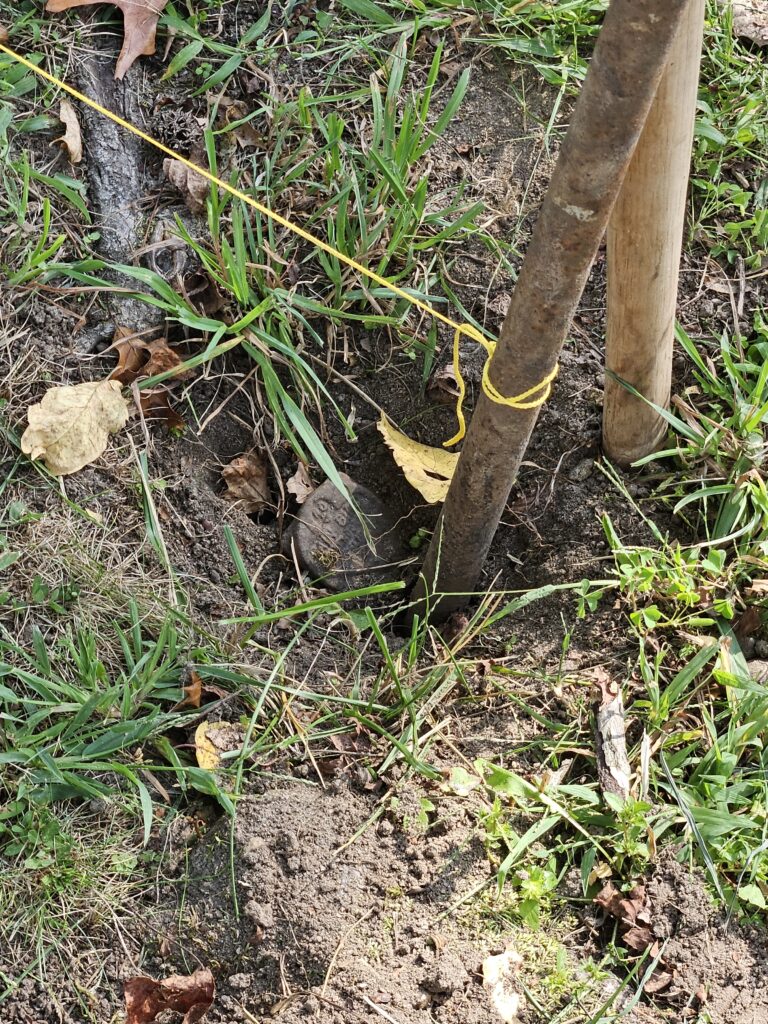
427 469
213 739
206 753
69 428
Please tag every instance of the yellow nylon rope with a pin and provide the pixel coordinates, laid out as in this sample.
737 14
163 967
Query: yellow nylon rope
521 401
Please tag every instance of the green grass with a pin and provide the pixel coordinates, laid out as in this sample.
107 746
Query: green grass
87 873
730 163
368 200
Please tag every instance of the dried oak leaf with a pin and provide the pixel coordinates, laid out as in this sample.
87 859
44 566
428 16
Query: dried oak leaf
191 995
658 982
72 138
137 358
193 692
156 408
69 428
161 358
239 116
139 26
246 479
632 912
130 356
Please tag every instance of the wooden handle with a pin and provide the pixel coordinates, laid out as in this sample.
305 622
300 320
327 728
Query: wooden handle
645 235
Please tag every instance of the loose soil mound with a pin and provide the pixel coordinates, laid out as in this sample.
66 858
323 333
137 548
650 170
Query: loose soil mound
327 929
717 964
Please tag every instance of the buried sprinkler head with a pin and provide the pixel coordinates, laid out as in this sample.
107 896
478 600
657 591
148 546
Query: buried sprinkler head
331 544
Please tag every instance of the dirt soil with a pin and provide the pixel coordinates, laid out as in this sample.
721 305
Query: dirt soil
717 965
345 914
326 929
335 926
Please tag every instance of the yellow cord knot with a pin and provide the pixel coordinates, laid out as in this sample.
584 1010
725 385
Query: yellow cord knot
524 400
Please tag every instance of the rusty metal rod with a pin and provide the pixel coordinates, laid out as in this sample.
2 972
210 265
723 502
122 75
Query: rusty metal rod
624 73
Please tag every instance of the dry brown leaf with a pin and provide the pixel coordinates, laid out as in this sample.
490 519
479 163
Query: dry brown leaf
244 132
193 692
632 912
138 359
192 185
163 358
443 386
191 995
139 26
130 356
156 408
247 135
658 982
200 291
300 484
427 469
609 898
69 428
72 138
246 479
720 287
638 938
748 623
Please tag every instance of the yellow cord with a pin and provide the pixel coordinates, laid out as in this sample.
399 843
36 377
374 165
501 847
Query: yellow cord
522 401
515 402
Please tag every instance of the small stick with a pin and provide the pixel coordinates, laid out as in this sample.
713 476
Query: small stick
645 235
613 769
